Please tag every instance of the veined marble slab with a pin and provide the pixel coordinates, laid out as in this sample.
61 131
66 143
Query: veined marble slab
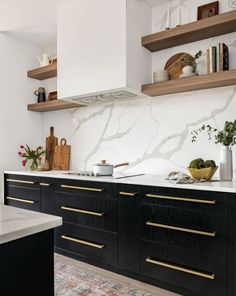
16 223
145 180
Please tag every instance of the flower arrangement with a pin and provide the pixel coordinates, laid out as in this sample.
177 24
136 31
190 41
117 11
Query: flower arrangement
31 154
191 62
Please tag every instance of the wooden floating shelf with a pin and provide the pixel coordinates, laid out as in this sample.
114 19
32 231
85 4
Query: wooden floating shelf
52 106
42 73
209 27
206 81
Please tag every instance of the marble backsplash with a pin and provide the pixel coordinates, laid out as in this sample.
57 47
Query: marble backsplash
153 134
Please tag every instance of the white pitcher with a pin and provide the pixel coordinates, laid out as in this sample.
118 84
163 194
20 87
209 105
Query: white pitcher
44 60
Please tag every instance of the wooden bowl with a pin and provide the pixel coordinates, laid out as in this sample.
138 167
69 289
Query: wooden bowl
205 173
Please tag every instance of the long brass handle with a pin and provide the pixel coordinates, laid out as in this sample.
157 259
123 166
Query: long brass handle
206 233
20 181
21 200
83 242
204 201
178 268
83 188
45 184
128 193
82 211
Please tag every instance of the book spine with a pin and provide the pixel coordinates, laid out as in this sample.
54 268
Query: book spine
208 61
214 58
221 57
225 57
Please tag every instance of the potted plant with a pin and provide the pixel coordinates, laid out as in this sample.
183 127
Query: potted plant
31 154
189 65
226 137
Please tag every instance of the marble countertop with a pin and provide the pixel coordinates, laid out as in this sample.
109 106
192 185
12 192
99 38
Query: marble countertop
16 223
146 180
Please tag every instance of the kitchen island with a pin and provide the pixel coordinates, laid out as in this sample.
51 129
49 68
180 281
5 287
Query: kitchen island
26 252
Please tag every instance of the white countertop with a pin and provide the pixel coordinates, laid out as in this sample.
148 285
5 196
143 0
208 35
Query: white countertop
16 223
146 180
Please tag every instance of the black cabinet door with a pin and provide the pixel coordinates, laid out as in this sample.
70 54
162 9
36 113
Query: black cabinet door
47 186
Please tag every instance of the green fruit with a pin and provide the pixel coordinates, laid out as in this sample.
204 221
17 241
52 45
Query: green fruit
197 163
210 163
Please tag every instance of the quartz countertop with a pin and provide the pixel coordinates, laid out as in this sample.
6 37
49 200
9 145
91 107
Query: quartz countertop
145 180
16 223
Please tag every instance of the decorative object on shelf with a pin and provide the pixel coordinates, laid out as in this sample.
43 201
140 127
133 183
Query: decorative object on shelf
160 76
44 60
202 170
168 17
178 16
208 10
189 65
52 96
175 64
31 154
227 137
62 156
51 143
223 57
41 94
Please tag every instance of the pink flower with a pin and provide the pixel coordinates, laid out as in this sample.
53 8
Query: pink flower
40 158
20 153
22 147
24 162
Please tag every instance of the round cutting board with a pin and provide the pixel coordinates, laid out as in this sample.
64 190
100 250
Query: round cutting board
174 66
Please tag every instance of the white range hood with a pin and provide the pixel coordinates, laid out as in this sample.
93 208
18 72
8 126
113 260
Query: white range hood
100 56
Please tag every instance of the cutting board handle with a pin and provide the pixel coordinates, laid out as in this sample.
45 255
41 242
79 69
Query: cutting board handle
63 141
51 131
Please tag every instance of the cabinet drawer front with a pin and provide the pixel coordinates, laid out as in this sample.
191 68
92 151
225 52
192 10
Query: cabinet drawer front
185 228
213 202
195 271
22 181
96 245
22 203
24 193
89 211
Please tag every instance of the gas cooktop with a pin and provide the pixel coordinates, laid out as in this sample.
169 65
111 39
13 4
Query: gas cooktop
91 174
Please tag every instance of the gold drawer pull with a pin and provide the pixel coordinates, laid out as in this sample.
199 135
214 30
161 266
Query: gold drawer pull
206 233
20 181
83 242
128 193
186 270
21 200
82 211
204 201
83 188
45 184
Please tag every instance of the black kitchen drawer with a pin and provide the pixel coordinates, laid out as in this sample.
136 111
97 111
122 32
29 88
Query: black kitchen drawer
97 212
23 203
93 244
22 181
214 202
201 231
86 188
201 273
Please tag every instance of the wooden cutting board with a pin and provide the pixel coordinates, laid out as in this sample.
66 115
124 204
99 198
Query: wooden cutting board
51 143
62 156
174 65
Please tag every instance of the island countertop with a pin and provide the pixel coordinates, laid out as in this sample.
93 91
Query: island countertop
145 180
17 223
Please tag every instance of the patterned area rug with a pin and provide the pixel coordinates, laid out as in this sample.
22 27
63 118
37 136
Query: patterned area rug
71 281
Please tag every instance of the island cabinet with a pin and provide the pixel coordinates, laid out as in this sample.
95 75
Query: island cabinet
179 239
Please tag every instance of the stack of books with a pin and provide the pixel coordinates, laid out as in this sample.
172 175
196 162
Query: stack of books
217 58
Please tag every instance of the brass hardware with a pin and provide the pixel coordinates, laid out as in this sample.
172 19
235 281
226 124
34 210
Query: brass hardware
186 270
45 184
204 201
21 200
206 233
20 181
83 188
83 242
128 193
82 211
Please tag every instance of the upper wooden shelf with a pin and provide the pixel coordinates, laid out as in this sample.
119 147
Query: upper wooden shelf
44 72
202 29
206 81
52 106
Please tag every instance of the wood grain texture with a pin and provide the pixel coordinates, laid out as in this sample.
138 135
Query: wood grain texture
206 81
61 160
202 29
52 106
42 73
51 143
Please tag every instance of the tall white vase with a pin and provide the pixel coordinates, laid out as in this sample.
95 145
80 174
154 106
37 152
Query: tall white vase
226 164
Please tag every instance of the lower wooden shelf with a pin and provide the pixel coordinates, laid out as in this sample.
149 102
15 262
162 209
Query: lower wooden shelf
52 106
206 81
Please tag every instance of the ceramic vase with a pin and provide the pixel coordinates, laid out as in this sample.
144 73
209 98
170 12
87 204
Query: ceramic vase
226 164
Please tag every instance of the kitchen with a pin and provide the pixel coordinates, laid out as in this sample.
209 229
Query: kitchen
153 133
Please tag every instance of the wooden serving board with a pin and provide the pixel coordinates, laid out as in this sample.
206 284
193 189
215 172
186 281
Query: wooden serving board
51 143
174 66
62 156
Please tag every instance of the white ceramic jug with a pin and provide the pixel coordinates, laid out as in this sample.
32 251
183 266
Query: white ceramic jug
44 60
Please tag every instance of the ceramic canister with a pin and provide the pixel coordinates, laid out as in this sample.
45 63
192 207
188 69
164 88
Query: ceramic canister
160 76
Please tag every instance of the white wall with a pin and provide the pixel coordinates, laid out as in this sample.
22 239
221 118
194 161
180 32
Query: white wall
153 134
17 125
